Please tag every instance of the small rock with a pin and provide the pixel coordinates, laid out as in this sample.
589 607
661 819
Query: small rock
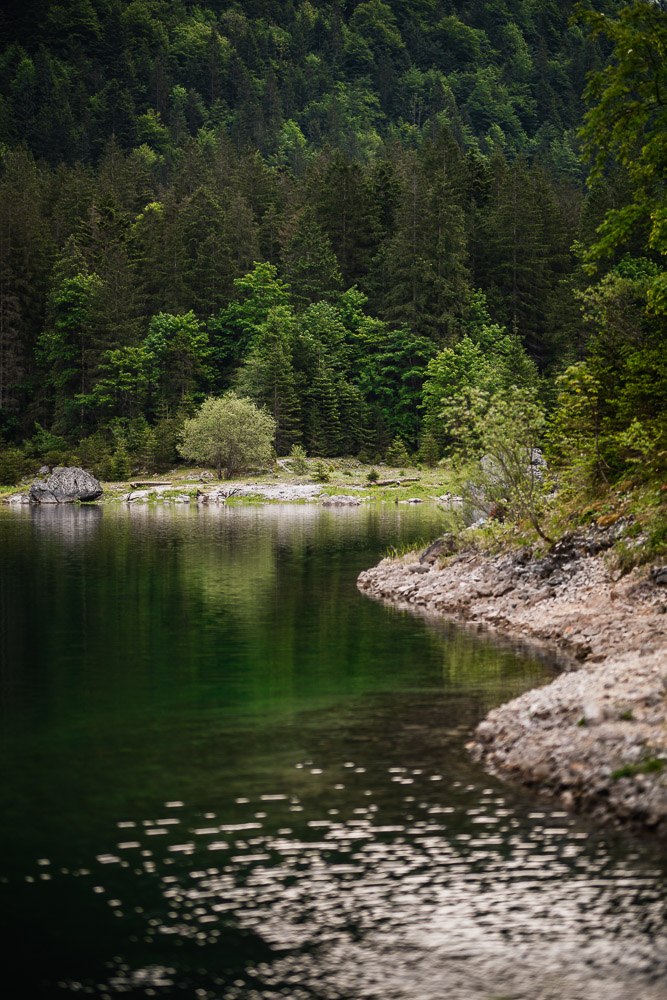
445 546
341 501
593 713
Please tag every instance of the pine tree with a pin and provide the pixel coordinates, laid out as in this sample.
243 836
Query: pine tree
322 416
68 349
427 258
267 376
309 262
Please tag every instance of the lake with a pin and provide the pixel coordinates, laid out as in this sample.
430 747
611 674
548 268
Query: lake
227 774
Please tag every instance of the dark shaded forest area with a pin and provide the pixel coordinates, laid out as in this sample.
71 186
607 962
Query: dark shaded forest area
348 212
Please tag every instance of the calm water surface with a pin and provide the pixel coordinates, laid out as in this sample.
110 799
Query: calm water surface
226 774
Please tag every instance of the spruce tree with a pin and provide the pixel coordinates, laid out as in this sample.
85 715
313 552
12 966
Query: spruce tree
267 376
309 261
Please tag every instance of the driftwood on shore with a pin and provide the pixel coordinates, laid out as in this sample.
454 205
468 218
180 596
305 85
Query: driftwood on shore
149 484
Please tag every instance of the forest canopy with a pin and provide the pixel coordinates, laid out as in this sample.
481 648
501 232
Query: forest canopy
336 210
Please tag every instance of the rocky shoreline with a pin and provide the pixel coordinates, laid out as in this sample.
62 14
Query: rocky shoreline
596 737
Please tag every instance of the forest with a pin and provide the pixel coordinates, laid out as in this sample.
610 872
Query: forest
382 221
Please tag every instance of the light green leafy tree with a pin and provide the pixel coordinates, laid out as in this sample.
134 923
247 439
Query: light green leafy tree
505 428
230 433
236 327
492 365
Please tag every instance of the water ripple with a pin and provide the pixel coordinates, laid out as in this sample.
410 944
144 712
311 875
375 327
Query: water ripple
457 898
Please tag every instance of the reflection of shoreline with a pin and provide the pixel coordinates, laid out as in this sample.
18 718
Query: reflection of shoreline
74 523
310 520
68 522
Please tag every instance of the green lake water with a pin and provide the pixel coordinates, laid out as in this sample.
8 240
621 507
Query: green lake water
227 774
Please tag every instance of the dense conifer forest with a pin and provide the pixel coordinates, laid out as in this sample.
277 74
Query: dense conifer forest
351 213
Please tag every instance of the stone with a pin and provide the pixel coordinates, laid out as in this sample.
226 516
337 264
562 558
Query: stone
18 498
44 471
445 546
659 575
65 485
341 501
537 465
593 713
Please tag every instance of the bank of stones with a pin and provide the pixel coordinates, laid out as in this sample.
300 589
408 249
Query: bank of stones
596 737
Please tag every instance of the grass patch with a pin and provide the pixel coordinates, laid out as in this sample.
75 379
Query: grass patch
651 765
401 551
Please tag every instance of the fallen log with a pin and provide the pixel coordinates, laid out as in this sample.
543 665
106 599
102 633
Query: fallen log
149 485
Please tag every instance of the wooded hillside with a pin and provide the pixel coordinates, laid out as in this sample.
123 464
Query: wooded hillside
341 210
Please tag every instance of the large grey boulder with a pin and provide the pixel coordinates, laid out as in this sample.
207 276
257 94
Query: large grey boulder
65 485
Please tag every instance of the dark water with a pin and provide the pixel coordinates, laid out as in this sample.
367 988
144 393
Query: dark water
226 774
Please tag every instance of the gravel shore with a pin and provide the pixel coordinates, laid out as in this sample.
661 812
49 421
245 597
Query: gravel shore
596 737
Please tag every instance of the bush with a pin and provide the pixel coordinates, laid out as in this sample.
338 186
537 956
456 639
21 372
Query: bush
321 474
12 464
48 448
506 428
228 432
397 453
373 476
94 454
298 459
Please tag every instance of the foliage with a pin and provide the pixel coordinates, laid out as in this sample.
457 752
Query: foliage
486 363
360 216
610 413
504 429
428 450
627 120
228 432
12 464
397 453
298 459
288 79
321 473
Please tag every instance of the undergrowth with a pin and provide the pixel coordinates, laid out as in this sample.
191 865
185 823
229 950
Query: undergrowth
650 765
